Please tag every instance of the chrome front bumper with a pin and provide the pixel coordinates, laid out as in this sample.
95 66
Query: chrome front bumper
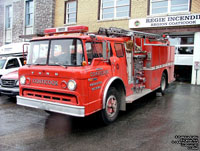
9 91
72 110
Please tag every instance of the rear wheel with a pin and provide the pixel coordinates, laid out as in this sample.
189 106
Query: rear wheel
163 83
49 112
111 111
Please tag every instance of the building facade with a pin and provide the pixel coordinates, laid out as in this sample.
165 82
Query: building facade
178 19
24 18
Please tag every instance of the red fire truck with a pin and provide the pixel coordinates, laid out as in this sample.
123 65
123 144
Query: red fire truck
72 72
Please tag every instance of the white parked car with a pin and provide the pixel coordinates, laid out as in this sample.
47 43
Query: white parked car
11 57
10 64
9 84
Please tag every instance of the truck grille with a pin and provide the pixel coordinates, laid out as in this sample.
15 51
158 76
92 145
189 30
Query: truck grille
8 83
51 96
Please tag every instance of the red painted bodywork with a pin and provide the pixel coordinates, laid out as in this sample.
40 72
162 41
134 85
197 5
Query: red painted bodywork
84 95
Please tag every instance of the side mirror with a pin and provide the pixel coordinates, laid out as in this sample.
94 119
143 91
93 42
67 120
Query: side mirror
109 49
25 49
106 50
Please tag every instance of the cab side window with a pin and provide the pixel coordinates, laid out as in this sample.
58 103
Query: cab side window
12 63
95 50
119 48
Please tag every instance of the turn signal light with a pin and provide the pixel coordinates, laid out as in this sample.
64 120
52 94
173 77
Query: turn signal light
84 63
64 84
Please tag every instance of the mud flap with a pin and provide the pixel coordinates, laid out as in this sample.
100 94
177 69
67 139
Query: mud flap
123 103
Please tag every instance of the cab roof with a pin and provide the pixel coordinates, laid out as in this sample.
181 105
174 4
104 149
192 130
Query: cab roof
79 36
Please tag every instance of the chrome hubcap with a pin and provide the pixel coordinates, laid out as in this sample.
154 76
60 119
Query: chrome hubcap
111 106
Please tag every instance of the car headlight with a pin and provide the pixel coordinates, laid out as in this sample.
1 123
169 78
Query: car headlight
22 80
71 85
17 83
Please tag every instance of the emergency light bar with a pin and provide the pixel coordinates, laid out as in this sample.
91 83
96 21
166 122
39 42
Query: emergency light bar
68 29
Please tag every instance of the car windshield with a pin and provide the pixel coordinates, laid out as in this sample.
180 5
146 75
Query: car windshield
2 62
65 52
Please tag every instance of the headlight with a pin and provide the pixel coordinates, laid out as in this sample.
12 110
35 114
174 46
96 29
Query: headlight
17 83
71 85
22 80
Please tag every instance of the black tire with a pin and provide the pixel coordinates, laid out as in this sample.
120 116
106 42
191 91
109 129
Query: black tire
112 106
49 112
163 84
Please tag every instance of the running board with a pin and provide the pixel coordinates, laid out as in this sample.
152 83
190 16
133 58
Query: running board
135 96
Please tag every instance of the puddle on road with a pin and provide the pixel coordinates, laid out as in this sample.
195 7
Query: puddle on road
57 125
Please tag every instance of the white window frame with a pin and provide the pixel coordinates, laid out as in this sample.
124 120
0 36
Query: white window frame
115 10
26 13
7 30
10 16
169 7
67 13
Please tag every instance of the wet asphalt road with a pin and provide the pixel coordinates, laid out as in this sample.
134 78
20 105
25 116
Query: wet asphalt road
149 124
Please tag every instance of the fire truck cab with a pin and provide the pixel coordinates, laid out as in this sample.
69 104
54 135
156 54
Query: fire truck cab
72 72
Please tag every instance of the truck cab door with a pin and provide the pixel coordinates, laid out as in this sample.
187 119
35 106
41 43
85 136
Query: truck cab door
98 68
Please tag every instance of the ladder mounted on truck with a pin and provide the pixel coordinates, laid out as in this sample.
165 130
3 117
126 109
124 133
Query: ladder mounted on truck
119 32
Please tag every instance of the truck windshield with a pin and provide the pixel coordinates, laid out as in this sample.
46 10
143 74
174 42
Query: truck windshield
2 62
38 52
66 52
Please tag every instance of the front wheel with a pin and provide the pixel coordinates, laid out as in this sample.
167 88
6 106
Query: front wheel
112 105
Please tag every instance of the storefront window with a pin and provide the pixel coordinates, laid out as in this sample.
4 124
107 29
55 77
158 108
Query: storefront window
187 40
183 45
169 6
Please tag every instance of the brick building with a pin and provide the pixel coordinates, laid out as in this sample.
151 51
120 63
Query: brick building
179 19
24 17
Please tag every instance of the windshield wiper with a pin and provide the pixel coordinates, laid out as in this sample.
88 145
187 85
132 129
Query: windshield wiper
36 64
62 65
